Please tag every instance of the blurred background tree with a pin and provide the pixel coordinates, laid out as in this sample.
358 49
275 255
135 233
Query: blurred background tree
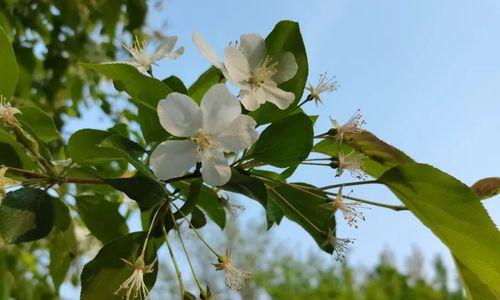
50 38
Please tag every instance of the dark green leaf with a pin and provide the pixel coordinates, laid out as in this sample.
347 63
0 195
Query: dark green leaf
286 142
251 187
22 156
305 208
101 217
39 122
191 199
8 66
455 215
150 125
206 80
198 219
145 191
26 215
83 145
285 37
102 276
175 84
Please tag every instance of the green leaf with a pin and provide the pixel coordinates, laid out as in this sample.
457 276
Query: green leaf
101 217
487 187
208 201
248 186
128 150
83 145
8 145
26 215
150 125
198 219
305 208
286 142
206 80
40 123
455 215
476 290
175 84
102 276
143 89
63 244
285 37
8 65
145 191
191 199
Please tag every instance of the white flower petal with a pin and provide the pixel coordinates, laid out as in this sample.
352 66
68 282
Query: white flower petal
206 50
173 158
179 115
176 53
214 168
236 65
253 47
287 67
165 48
252 99
240 135
219 108
274 94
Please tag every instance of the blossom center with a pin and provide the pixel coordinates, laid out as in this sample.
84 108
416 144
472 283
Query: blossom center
203 140
263 72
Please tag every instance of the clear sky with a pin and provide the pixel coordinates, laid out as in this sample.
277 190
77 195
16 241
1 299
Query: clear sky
426 75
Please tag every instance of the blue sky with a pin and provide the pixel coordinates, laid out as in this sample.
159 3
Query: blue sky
424 73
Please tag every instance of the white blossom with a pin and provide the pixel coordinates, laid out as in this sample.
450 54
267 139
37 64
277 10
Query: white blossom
214 128
143 60
325 85
134 286
8 112
349 209
257 74
352 162
235 278
353 126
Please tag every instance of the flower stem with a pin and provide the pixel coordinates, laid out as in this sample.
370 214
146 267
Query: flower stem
196 279
348 184
174 261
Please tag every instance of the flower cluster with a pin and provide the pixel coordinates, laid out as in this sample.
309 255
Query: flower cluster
325 85
7 113
134 286
235 278
349 210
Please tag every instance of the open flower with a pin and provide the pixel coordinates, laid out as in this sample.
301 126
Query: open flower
143 60
214 128
134 286
352 162
235 278
325 85
253 71
7 113
340 245
353 126
349 210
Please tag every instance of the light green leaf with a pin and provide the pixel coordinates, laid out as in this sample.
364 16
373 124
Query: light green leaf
285 37
286 142
8 66
101 217
455 215
39 122
83 145
102 276
476 290
26 215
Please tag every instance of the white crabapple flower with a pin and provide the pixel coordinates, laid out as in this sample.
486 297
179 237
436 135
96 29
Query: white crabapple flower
235 278
257 74
143 60
352 162
352 126
349 209
325 85
214 128
134 286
